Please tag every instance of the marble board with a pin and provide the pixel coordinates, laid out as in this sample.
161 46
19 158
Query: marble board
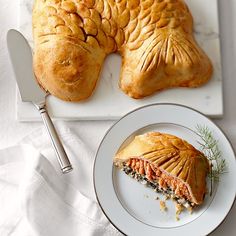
109 102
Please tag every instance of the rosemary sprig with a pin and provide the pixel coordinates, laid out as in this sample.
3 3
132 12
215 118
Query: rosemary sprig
209 146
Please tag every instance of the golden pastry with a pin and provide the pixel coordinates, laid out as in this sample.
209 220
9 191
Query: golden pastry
168 164
154 37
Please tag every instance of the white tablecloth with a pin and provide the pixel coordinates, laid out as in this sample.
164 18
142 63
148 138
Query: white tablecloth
37 199
12 131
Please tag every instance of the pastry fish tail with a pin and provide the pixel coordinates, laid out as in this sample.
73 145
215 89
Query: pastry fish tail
175 51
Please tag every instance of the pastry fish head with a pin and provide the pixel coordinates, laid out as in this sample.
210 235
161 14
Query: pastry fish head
62 68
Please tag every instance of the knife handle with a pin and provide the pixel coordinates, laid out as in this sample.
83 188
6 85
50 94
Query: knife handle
56 142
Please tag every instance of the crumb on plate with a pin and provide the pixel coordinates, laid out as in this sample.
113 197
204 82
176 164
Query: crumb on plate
163 206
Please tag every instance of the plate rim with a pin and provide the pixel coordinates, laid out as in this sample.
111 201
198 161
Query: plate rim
142 107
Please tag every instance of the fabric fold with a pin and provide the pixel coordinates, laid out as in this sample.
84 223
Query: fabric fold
34 193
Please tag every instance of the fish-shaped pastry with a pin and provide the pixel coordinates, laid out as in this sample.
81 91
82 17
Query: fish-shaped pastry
154 38
168 164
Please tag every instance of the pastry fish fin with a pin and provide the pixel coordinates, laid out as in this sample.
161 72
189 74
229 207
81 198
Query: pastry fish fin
170 49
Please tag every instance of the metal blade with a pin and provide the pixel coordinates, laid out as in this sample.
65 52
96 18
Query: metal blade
21 59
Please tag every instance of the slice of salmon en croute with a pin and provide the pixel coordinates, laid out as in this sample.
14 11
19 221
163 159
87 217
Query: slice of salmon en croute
168 164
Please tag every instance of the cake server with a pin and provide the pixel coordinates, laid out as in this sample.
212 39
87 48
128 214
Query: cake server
30 91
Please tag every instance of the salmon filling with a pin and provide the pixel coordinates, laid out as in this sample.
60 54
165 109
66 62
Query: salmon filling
144 171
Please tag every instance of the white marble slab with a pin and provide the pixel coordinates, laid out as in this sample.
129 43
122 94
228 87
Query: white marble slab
109 102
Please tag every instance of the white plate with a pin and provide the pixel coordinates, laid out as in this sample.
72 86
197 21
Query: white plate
130 206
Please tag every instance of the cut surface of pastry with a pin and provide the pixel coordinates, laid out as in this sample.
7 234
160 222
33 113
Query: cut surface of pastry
154 38
168 164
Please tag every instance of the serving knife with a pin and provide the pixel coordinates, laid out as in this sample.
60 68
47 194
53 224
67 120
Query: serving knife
21 58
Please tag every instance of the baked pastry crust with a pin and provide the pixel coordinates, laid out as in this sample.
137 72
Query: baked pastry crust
155 39
178 161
